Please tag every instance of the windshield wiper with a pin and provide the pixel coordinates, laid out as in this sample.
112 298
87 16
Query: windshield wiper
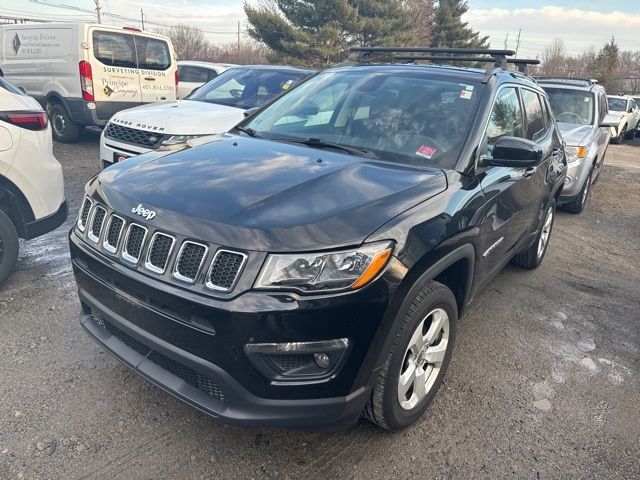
249 131
319 142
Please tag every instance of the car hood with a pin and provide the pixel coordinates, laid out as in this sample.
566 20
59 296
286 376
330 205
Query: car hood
262 195
575 135
183 117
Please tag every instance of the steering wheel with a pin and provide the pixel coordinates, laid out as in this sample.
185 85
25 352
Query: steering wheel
572 115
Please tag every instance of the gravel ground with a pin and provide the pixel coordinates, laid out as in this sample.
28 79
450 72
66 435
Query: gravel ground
544 382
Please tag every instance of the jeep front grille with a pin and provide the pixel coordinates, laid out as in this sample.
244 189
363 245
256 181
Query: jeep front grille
224 270
129 242
159 252
134 136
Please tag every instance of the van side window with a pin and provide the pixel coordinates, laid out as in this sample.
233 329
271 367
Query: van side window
114 49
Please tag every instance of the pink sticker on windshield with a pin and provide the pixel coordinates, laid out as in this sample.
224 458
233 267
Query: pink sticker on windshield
426 152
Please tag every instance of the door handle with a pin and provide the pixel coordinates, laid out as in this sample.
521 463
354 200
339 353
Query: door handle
530 171
150 78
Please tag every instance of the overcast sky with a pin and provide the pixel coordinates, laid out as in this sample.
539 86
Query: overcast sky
581 24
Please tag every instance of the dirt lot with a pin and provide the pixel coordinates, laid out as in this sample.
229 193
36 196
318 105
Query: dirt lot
544 383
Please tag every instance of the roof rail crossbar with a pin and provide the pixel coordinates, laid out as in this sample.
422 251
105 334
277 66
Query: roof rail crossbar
523 63
569 80
498 55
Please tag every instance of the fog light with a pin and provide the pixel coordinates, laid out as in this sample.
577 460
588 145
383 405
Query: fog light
568 181
322 359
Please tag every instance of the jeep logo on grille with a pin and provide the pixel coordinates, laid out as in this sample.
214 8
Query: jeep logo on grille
143 212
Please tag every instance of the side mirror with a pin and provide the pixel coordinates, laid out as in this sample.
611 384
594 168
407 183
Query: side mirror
307 110
610 121
513 152
23 90
250 111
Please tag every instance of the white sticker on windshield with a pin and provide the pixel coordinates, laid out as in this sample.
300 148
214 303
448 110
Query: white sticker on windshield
466 94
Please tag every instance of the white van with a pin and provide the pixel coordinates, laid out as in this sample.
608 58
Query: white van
83 73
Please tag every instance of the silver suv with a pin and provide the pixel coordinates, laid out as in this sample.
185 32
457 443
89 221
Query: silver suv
581 110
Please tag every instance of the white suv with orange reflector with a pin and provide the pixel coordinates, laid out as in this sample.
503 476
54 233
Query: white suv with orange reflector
32 200
83 73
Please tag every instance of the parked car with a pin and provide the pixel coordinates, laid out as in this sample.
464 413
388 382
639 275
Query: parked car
311 265
626 109
32 200
580 108
214 108
193 74
83 73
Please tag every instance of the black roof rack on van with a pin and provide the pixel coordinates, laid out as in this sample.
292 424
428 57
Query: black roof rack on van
498 57
582 82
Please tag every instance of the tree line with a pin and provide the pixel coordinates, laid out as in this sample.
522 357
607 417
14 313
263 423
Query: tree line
320 33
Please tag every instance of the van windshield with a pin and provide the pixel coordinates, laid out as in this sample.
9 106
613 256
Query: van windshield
120 49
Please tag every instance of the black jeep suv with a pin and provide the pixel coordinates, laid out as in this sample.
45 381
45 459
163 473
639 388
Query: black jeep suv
310 266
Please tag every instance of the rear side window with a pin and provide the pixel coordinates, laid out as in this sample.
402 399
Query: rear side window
535 124
124 50
189 73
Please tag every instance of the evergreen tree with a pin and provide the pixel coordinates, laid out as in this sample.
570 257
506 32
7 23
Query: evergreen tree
449 31
321 32
606 63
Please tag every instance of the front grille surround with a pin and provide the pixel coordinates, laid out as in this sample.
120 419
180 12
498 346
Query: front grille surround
236 271
83 216
159 252
133 243
97 222
113 233
133 136
189 273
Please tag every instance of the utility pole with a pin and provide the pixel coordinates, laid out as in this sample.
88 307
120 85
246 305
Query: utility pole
518 42
506 42
238 39
97 2
142 19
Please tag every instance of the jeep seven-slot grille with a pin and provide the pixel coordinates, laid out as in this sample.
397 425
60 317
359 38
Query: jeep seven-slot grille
134 136
130 242
187 374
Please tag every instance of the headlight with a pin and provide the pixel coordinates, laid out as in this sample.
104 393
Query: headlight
175 139
575 153
345 269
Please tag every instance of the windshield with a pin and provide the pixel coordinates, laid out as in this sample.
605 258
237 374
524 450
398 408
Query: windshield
403 116
247 87
617 104
571 106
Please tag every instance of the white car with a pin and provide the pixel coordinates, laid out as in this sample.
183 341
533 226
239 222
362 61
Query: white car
214 108
193 74
625 107
32 200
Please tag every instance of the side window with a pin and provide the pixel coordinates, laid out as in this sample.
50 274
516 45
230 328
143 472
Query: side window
193 74
506 116
632 104
211 74
602 106
535 126
153 54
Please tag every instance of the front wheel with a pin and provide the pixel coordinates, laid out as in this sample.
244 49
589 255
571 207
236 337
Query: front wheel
64 130
533 256
8 247
418 360
578 203
618 140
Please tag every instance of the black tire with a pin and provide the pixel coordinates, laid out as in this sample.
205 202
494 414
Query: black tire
435 302
63 128
618 140
8 247
533 256
578 203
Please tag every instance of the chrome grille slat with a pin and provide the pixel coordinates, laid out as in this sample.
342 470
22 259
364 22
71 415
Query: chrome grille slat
84 214
189 261
225 270
114 231
133 243
159 252
97 222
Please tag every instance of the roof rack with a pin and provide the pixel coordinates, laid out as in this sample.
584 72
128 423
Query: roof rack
583 82
498 57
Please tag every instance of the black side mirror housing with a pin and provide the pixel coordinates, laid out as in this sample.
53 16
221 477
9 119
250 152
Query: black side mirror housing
513 152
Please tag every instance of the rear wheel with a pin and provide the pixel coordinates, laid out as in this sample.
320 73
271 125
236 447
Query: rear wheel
535 253
8 247
578 203
418 360
64 130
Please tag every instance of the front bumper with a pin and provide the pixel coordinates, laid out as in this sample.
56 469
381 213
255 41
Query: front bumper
142 322
577 173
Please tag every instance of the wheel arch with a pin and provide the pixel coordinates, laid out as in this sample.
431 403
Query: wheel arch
15 205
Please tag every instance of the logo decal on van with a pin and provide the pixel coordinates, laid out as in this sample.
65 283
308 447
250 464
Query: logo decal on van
15 44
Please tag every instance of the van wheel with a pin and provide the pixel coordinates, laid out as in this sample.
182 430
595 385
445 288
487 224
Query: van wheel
418 360
8 247
64 130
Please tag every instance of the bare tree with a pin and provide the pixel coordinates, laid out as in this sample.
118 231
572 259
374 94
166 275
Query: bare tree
189 42
423 15
249 53
554 60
